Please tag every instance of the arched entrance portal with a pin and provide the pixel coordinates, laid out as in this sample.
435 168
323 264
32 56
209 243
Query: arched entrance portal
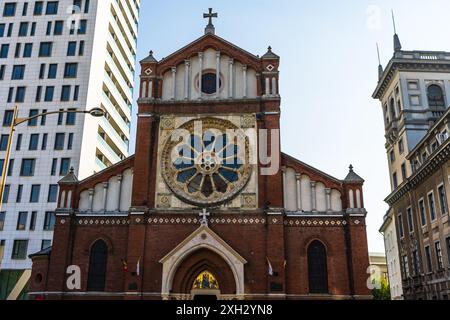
204 275
202 251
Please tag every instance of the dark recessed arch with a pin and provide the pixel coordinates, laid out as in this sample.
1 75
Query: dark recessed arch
317 268
98 259
435 96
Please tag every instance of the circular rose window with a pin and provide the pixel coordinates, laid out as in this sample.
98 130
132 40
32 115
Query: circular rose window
208 164
209 83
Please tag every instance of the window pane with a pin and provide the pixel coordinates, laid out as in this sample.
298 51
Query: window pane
49 223
27 168
20 249
18 72
59 141
4 142
2 220
45 49
70 70
52 193
22 221
52 71
35 191
9 9
65 166
71 118
34 141
33 220
52 7
38 7
46 244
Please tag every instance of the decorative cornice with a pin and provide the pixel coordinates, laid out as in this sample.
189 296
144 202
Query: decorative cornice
431 166
405 65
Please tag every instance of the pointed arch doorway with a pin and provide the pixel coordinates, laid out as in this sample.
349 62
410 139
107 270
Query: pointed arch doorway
203 266
204 275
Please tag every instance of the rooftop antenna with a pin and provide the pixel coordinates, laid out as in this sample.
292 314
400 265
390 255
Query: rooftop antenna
393 21
397 44
378 54
380 67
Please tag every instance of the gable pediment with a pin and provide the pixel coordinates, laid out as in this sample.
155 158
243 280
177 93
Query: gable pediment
203 237
204 43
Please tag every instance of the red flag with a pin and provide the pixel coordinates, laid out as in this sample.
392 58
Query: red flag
125 265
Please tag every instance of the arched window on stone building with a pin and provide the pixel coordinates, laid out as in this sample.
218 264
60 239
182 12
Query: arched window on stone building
435 96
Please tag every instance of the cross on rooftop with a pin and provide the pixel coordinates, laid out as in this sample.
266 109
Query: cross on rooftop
204 214
210 27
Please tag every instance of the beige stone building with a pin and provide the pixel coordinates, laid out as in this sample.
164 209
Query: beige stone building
414 90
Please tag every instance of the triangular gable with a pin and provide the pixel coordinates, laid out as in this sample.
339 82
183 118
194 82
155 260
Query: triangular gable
196 237
316 174
203 43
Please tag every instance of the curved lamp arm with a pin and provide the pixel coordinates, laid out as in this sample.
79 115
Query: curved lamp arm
96 112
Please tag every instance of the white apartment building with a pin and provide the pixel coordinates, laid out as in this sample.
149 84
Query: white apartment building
60 55
389 231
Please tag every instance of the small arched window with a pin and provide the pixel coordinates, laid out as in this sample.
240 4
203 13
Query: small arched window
97 266
317 268
435 96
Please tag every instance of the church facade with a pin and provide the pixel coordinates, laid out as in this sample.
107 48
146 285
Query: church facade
208 205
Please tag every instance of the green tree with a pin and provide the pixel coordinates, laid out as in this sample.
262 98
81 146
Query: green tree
384 292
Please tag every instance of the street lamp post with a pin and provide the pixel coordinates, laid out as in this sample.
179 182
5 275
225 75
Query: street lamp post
96 112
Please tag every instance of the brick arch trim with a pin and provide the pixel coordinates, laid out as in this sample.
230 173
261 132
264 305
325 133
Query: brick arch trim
94 239
202 238
199 261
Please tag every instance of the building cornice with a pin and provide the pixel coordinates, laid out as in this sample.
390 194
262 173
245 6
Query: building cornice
418 61
431 166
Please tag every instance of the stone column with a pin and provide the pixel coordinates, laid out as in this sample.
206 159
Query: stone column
150 89
200 73
119 182
105 195
174 82
91 199
274 86
283 170
187 65
230 78
217 74
244 80
313 196
144 93
69 199
299 191
328 198
351 202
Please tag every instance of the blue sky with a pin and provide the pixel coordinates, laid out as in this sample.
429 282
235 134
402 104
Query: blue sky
328 70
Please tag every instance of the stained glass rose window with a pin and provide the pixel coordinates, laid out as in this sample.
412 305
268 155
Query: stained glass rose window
208 167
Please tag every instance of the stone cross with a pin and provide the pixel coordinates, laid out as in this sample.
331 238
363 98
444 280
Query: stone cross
204 214
210 15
